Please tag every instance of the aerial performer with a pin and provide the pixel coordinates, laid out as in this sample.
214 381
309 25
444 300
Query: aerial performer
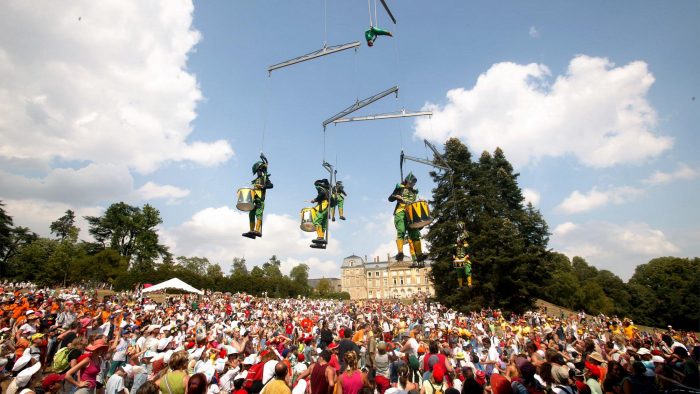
405 194
260 185
321 208
338 199
461 262
374 32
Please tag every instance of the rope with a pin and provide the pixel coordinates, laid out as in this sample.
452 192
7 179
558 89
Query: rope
369 10
265 109
376 20
325 22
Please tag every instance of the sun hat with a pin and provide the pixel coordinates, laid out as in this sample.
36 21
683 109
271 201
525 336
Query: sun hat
37 336
642 351
597 357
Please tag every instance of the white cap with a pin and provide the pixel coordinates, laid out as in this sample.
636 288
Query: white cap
241 375
128 369
163 343
658 359
643 351
22 361
250 360
26 375
167 355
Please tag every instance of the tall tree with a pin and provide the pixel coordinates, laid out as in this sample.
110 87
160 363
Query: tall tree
300 274
131 231
272 268
238 267
508 240
65 228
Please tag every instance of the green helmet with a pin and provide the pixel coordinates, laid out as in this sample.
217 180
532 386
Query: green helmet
410 179
258 165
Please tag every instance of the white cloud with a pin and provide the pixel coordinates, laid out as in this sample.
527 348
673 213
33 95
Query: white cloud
84 186
215 233
38 215
102 82
596 112
151 190
683 172
531 196
615 247
578 202
564 229
533 32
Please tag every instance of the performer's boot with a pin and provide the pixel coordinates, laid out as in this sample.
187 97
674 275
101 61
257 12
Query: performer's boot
341 214
419 251
469 281
412 248
251 233
461 282
258 228
399 246
320 239
333 214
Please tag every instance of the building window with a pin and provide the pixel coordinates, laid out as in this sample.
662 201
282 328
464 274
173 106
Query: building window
401 280
385 282
369 274
418 280
394 280
376 273
370 292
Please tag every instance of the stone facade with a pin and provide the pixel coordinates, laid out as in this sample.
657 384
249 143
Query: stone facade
384 279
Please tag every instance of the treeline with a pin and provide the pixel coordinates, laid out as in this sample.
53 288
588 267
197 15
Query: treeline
512 264
126 253
664 291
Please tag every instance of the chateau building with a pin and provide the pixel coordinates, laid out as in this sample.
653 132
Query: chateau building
384 279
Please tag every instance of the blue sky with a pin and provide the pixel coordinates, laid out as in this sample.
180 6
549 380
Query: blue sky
166 103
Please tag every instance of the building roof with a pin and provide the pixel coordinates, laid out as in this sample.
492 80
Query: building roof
352 261
358 262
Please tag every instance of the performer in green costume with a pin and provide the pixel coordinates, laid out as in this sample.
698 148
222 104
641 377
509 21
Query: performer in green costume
405 194
338 198
260 185
321 208
461 261
373 33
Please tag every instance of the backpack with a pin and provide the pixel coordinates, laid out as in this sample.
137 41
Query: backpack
60 360
436 390
255 374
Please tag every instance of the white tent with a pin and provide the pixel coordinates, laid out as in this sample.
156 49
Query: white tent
173 283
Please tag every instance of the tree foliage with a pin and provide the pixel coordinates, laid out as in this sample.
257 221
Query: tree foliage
508 240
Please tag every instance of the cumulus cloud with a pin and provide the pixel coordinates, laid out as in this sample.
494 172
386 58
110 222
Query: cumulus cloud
215 233
615 247
78 187
597 112
578 202
531 196
151 191
38 215
100 82
533 32
683 172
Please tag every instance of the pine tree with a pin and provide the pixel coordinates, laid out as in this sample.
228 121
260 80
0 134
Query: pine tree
508 240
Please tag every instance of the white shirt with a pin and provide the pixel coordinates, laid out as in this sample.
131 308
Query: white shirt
115 385
413 350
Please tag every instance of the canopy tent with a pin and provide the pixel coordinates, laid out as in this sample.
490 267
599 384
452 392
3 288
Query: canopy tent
173 283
